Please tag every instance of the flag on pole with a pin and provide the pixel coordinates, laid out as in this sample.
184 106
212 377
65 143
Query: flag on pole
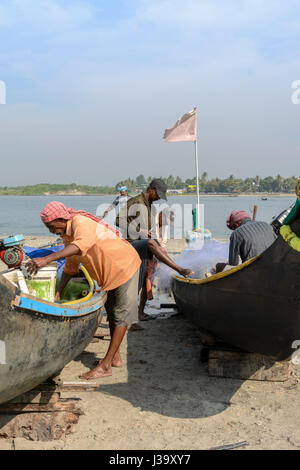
184 129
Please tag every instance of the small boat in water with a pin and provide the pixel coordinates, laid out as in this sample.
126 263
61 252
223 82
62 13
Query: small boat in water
254 306
39 337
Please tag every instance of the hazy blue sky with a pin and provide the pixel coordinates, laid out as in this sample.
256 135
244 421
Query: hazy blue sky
92 85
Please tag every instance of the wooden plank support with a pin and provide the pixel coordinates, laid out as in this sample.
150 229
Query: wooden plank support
78 386
41 414
40 397
247 366
11 408
60 386
51 424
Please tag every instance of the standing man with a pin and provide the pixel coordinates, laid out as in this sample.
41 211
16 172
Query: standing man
135 223
136 219
165 218
120 201
109 259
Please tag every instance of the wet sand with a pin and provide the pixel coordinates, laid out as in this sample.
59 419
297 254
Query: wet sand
163 398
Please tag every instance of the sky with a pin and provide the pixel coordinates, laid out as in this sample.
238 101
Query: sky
92 85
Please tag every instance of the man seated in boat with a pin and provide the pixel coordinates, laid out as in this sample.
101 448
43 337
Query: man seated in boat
109 259
249 238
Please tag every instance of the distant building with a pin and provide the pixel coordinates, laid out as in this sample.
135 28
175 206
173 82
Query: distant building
141 188
176 191
191 188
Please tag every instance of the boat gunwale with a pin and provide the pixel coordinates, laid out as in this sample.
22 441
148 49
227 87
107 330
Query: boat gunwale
32 304
217 276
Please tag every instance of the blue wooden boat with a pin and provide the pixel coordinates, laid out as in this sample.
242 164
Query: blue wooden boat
39 337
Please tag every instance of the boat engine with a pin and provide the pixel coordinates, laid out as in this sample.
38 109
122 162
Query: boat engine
278 221
12 251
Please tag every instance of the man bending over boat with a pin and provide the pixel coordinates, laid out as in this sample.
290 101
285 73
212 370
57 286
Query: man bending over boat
249 238
109 259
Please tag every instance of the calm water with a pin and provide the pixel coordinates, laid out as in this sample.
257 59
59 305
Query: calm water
20 214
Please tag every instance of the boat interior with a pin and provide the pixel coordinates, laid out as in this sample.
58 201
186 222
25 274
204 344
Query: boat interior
43 285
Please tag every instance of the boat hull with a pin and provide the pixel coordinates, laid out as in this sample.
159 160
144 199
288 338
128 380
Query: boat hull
37 342
256 308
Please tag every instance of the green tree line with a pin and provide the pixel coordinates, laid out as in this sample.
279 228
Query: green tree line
277 184
230 185
45 188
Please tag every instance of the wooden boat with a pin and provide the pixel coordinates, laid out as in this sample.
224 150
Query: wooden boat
254 306
39 337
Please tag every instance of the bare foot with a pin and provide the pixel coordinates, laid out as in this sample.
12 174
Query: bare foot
185 272
96 373
144 317
117 362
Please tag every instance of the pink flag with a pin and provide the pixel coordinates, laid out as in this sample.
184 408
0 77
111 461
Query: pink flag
184 129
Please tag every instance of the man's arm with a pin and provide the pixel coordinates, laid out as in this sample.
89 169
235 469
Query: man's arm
234 250
65 278
37 263
111 207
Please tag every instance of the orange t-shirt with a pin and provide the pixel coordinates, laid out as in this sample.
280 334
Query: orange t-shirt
111 261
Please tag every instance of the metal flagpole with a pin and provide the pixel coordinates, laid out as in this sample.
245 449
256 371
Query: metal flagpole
197 181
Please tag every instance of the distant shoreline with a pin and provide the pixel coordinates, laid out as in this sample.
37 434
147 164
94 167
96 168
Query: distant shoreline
261 195
264 195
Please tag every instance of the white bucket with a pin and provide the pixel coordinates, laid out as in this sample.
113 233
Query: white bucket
40 285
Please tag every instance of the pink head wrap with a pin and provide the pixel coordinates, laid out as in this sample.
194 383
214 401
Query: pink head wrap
57 210
236 217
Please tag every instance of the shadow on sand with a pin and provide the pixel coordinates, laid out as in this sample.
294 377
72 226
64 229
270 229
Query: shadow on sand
165 374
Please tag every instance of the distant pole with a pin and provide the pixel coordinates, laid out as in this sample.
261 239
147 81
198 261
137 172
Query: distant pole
254 212
197 181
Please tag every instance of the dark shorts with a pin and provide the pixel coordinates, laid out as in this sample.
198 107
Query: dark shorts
141 246
122 303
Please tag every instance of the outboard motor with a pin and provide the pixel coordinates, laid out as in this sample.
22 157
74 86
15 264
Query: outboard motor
12 251
278 221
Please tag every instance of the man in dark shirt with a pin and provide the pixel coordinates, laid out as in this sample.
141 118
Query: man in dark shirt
135 222
249 238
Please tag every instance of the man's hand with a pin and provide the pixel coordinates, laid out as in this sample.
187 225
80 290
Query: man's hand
35 264
144 234
65 278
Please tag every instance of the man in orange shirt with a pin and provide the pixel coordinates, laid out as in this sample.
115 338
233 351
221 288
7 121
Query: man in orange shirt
109 259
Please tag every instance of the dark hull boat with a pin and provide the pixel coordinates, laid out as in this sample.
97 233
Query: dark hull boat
255 306
38 338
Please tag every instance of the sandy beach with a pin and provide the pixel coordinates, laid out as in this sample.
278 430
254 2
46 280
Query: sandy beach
162 398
